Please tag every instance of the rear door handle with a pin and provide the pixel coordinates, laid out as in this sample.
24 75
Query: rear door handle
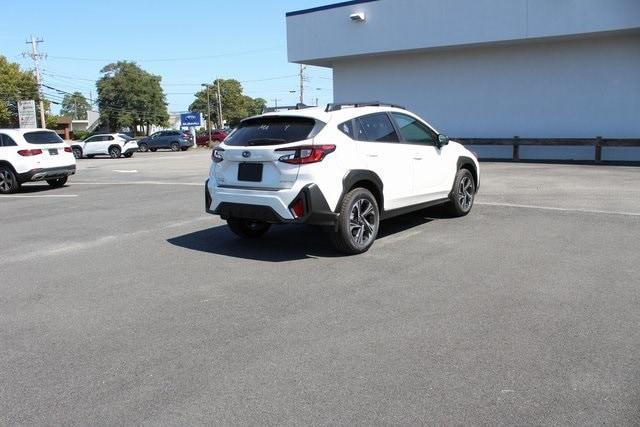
371 155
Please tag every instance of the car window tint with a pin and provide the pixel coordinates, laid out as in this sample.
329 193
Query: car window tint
412 130
42 137
7 141
347 128
109 138
272 130
376 128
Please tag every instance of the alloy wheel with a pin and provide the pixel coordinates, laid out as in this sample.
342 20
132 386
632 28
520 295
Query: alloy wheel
362 222
7 181
465 193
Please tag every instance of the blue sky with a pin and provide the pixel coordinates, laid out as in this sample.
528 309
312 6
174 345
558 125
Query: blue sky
187 43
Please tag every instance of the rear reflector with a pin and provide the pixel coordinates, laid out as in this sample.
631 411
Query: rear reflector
68 150
297 208
27 153
306 154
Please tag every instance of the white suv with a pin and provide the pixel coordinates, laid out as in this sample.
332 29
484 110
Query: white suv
112 144
345 167
33 155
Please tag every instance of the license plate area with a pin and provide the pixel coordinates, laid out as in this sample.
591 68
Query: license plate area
53 152
251 172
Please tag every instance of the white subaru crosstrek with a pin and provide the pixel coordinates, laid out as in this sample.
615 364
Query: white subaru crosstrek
33 155
345 167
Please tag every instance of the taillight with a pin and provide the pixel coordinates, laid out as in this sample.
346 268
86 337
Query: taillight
306 154
32 152
68 150
216 155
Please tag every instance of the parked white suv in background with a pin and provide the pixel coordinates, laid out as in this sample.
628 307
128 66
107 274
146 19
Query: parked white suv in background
33 155
111 144
345 167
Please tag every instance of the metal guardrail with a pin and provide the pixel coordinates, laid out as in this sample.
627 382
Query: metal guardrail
517 142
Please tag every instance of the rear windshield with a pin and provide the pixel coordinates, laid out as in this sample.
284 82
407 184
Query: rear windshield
273 131
125 136
42 137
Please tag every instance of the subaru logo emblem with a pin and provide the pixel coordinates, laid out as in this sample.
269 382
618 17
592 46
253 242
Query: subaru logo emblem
246 154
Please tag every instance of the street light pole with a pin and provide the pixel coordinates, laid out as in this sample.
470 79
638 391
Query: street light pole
208 112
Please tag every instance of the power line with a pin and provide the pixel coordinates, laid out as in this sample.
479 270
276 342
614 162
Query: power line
190 58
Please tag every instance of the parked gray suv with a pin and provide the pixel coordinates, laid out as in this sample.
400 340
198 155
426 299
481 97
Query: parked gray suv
175 140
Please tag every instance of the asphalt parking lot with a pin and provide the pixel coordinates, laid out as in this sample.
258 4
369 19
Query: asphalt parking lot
122 302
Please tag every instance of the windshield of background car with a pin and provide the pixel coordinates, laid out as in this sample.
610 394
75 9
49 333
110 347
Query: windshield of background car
273 131
42 137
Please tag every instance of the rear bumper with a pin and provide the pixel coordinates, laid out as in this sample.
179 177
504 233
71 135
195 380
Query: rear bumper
48 173
316 208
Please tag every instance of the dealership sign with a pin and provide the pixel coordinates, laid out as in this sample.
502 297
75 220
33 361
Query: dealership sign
190 119
27 114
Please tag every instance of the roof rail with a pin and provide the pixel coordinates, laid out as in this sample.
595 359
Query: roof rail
338 105
298 106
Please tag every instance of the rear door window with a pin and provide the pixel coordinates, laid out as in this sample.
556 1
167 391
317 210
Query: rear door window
376 128
6 141
42 137
274 131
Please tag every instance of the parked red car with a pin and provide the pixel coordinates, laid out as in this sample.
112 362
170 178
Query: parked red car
216 136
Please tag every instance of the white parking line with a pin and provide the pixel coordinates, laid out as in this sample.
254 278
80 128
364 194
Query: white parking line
140 183
125 171
551 208
35 196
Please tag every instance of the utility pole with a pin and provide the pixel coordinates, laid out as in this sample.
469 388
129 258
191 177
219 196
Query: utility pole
219 104
302 80
36 56
275 101
208 111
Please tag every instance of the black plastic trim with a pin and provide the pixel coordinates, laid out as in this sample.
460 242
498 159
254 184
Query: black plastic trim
357 175
48 173
327 7
317 211
467 161
404 210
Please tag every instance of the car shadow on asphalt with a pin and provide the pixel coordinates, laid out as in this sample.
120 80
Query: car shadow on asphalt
289 242
37 188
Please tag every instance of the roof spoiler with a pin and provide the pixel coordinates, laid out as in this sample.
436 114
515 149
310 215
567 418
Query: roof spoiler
338 106
298 106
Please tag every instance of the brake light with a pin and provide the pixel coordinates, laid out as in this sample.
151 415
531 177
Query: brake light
32 152
68 150
216 155
306 154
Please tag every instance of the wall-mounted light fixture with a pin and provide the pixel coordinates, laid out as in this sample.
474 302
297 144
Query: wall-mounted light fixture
358 17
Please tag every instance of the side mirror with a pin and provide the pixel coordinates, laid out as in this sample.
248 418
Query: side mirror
443 140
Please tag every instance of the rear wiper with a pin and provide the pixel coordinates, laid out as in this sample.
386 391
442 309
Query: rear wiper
265 141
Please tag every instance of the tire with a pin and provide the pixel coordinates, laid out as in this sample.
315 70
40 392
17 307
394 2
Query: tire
153 150
462 194
184 148
90 156
77 152
57 183
115 152
8 180
128 155
358 222
175 146
143 147
247 228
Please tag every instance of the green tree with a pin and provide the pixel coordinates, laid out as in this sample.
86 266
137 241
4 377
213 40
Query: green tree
130 97
15 85
75 105
235 105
